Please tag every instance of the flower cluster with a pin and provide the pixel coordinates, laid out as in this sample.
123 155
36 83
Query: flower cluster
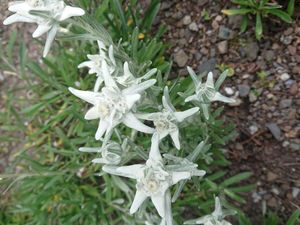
47 14
115 99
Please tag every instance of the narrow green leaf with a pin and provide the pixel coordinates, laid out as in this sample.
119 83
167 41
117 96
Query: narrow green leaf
280 14
258 27
244 24
293 218
235 179
291 7
231 12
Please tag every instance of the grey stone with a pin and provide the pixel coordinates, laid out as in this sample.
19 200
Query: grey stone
193 27
295 146
285 103
235 21
187 20
223 47
285 76
225 33
275 130
251 50
207 66
252 97
244 90
286 39
269 55
181 58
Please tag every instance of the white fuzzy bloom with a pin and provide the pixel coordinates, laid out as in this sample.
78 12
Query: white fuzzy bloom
112 105
206 92
166 122
216 218
111 153
95 63
153 181
46 13
127 78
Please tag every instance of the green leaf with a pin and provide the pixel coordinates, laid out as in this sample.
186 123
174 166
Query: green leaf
291 7
280 14
258 27
244 24
234 196
235 179
151 14
293 218
231 12
135 42
243 2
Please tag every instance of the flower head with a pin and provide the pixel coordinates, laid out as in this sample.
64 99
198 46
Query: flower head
166 122
95 63
153 181
216 218
207 92
112 105
111 153
46 13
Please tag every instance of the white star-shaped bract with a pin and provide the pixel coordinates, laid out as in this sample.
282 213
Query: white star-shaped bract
166 122
216 218
153 181
95 63
114 106
127 78
46 13
206 92
111 153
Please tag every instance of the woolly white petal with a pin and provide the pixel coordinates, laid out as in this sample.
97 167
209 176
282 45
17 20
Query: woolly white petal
88 96
154 150
180 116
98 83
138 88
205 109
92 114
139 198
50 39
133 171
131 121
222 98
20 7
90 149
175 137
194 77
102 127
147 116
40 30
159 202
70 11
191 98
166 100
149 74
111 55
218 208
178 176
132 99
86 64
210 80
127 72
18 18
108 80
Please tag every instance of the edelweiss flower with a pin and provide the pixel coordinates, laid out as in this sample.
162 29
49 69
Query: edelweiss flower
207 92
111 153
46 13
112 105
166 121
153 181
128 79
95 63
216 218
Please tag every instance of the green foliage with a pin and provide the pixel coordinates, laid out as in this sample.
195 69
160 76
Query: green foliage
260 9
271 219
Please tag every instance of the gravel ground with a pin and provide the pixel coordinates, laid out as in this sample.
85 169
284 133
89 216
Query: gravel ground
265 84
